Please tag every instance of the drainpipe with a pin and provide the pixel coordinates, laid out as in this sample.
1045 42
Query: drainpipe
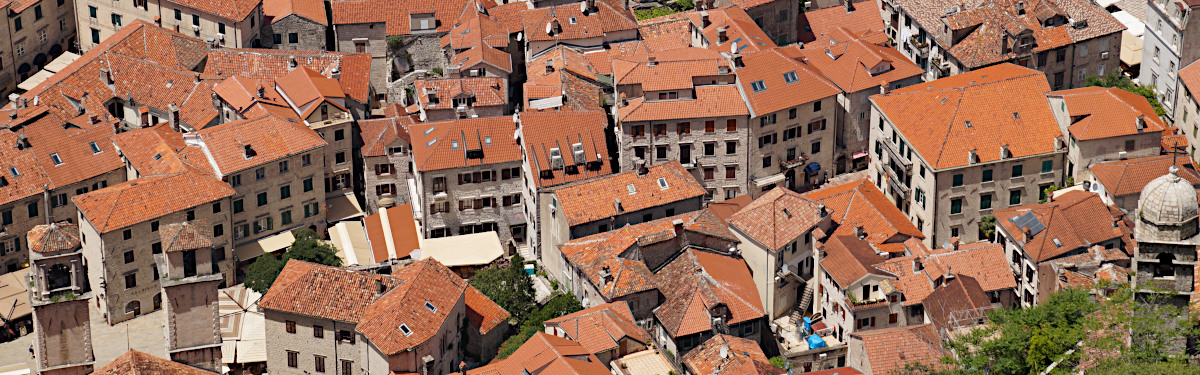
46 200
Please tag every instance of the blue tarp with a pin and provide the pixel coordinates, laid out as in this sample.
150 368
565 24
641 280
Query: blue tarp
815 341
807 324
812 168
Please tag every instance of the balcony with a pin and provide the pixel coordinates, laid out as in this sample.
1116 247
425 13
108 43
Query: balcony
337 119
898 185
798 161
921 47
896 157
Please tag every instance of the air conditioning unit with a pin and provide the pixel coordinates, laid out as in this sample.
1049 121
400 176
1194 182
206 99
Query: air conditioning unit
221 37
1103 55
196 28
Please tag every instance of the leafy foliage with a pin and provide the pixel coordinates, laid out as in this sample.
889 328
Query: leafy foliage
306 247
987 226
1118 80
676 7
560 305
779 362
509 286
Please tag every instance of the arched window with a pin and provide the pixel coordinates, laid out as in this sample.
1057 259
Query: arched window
58 276
1165 266
133 307
157 301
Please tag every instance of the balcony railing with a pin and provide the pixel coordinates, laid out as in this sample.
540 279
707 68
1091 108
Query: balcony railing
798 161
895 156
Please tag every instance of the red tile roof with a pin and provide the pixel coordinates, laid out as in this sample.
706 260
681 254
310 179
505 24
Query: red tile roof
987 265
235 10
595 254
270 64
996 100
605 18
1076 219
691 296
188 235
147 198
739 28
890 349
1099 112
313 10
573 76
1124 177
1189 76
396 14
543 131
850 63
726 208
325 292
720 100
423 283
155 151
742 357
487 91
478 37
667 32
597 199
601 328
819 27
916 285
769 67
53 238
244 96
483 312
777 218
271 138
849 259
444 144
861 203
959 295
377 134
671 70
545 354
401 226
134 362
304 86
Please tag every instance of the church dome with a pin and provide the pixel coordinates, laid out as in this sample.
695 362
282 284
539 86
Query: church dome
1168 200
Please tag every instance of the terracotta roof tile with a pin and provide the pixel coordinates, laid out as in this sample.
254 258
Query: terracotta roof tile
743 357
854 60
1076 219
572 76
601 328
544 131
423 283
671 70
861 203
53 238
313 10
270 138
996 100
607 18
325 292
154 151
377 134
769 67
890 349
777 218
304 86
483 312
1098 112
739 28
147 198
726 208
270 64
396 15
487 91
958 295
848 259
188 235
665 33
986 264
916 285
545 354
134 362
598 198
244 96
1124 177
404 238
818 27
1189 76
444 144
235 10
696 282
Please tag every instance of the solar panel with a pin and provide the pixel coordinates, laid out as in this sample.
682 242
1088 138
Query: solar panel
1028 220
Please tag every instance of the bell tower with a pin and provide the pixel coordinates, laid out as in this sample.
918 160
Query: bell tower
59 293
189 289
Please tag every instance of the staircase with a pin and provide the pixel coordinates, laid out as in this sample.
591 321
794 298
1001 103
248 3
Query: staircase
526 252
810 287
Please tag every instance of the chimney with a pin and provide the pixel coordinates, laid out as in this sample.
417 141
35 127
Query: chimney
1028 233
824 210
617 205
722 36
379 287
248 151
1004 152
292 63
335 73
606 276
642 170
106 76
1141 123
948 277
737 60
704 21
954 243
651 61
145 114
216 101
678 224
262 92
860 232
173 116
917 265
549 66
591 6
849 6
972 157
883 90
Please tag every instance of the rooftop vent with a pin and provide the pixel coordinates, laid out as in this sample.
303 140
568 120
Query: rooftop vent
249 151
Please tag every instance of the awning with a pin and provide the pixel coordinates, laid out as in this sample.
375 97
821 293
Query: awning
812 168
35 80
60 62
474 249
14 298
546 103
350 241
516 218
775 178
17 369
343 207
55 49
265 245
859 155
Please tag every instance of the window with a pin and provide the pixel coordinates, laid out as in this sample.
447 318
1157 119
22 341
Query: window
758 86
283 167
308 184
277 39
347 367
311 209
730 171
305 160
730 147
153 226
195 20
1048 166
792 114
958 180
92 11
985 201
710 148
156 248
817 106
660 129
42 36
116 20
178 15
293 38
127 234
33 209
129 257
339 157
57 160
237 206
1014 197
191 215
17 23
660 152
285 217
37 12
260 174
766 120
319 363
218 230
131 281
1018 171
1060 55
816 148
262 199
956 206
220 27
285 192
683 128
730 125
1165 267
708 173
293 359
235 180
339 134
987 175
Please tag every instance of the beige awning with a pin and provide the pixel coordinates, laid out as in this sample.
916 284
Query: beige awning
343 207
14 298
35 80
61 62
474 249
265 245
350 240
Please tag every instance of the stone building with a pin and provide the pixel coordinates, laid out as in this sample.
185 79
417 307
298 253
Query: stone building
189 286
120 234
1067 40
60 293
1167 235
458 98
387 162
1187 108
1104 124
607 331
261 67
35 32
777 18
469 179
328 319
234 24
1119 183
978 160
1170 45
589 23
296 24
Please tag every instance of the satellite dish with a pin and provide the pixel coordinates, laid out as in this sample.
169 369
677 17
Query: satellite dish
733 47
724 352
549 28
583 7
422 116
519 36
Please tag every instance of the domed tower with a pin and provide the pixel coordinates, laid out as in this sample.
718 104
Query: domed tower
1166 235
59 293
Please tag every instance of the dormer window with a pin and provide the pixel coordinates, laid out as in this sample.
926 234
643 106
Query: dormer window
422 22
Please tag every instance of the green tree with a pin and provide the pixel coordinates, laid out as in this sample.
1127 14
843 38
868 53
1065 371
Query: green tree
560 305
508 286
306 247
987 227
1118 80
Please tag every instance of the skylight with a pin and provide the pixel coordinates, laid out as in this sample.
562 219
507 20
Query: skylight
487 141
790 77
157 156
573 21
631 188
430 306
430 143
758 86
430 130
404 328
57 160
662 183
14 172
453 145
95 148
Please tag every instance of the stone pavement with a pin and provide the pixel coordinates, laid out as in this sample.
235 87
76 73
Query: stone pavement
144 333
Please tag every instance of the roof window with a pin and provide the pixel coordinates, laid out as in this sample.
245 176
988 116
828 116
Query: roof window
758 86
430 143
430 306
430 130
95 148
453 145
662 183
790 77
157 156
632 189
14 172
57 160
404 328
487 141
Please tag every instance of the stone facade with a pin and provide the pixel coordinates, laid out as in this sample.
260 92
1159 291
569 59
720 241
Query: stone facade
64 338
1169 46
32 211
46 29
338 346
394 171
368 38
772 154
100 19
305 206
460 216
776 18
308 34
705 153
